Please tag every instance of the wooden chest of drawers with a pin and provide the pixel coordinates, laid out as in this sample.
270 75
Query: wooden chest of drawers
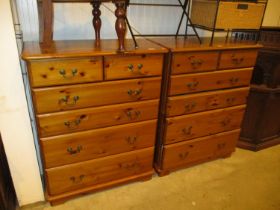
204 102
96 112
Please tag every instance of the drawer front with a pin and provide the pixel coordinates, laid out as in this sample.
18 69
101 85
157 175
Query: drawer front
189 83
238 59
76 176
180 105
68 71
202 149
81 146
194 62
117 67
202 124
91 118
87 95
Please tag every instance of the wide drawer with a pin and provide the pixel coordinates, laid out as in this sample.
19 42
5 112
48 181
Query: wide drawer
87 95
179 105
189 83
202 149
117 67
81 146
238 59
65 71
98 117
194 62
76 176
202 124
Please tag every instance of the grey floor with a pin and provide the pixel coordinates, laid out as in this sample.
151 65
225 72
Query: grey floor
245 181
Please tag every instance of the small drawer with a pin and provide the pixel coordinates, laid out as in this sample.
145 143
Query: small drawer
90 95
188 153
91 118
194 62
190 83
118 67
81 146
94 172
201 124
62 72
238 59
179 105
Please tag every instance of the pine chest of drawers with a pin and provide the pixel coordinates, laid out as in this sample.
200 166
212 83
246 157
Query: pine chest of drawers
205 98
96 113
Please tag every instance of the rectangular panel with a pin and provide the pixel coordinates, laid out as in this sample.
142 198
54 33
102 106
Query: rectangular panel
190 83
187 153
118 67
202 124
87 95
194 62
81 146
76 176
238 59
180 105
65 71
98 117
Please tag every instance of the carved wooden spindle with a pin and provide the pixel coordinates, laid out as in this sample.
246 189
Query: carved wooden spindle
120 23
96 21
45 11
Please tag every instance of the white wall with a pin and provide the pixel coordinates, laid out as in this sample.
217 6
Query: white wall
272 15
14 119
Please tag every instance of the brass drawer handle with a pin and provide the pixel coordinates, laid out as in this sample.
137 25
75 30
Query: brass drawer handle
237 61
188 130
129 166
73 124
131 140
230 100
192 85
67 100
78 179
221 146
189 107
139 67
226 122
72 151
63 73
196 63
184 155
133 115
134 92
130 67
234 80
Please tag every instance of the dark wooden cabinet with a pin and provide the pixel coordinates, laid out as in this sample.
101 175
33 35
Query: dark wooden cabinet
261 124
8 199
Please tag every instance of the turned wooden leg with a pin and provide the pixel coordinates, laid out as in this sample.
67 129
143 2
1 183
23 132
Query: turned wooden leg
120 23
96 21
45 11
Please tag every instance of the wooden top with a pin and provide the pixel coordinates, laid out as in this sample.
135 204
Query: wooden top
182 44
79 48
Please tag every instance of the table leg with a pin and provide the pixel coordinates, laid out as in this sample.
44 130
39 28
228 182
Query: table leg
120 23
96 21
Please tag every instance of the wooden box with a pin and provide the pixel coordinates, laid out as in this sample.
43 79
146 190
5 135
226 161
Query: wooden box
228 14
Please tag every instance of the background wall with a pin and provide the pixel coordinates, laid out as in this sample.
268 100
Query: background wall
71 22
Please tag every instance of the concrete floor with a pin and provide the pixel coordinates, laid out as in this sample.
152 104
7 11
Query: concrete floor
245 181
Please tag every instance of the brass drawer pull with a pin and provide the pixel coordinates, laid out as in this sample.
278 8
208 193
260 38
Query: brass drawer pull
189 107
221 146
237 61
131 140
72 151
188 130
139 67
184 155
133 115
234 80
134 92
230 100
226 122
196 63
130 67
129 166
192 85
67 100
78 179
73 124
63 73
